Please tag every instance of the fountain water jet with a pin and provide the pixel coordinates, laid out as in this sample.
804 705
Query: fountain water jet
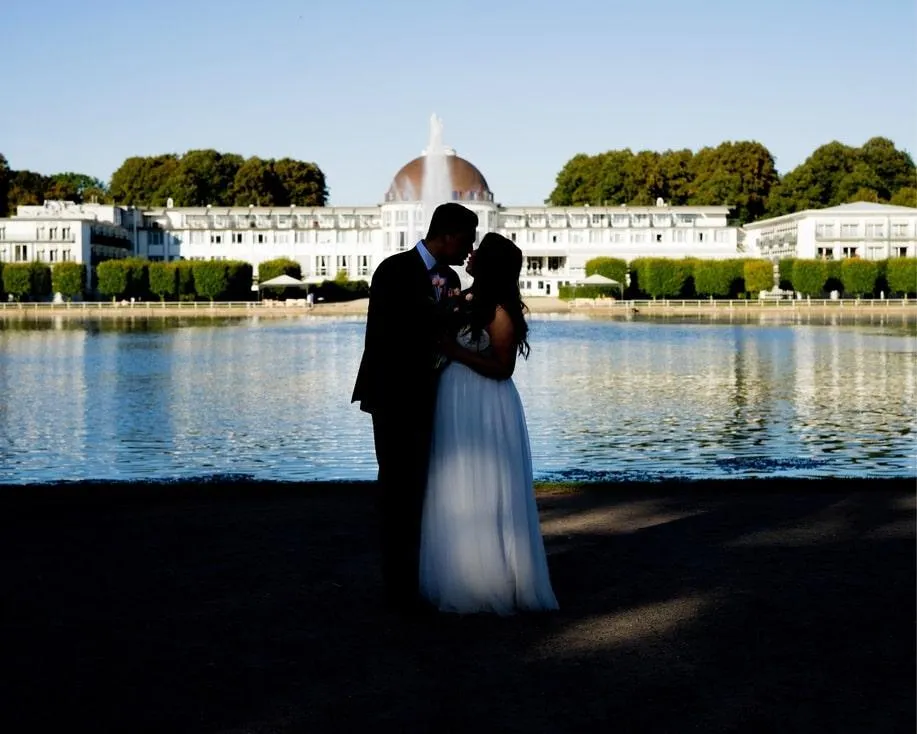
437 185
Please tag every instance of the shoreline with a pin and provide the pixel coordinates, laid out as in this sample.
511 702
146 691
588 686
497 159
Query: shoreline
545 305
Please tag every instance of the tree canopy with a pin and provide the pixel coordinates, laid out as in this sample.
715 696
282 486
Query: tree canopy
197 178
741 174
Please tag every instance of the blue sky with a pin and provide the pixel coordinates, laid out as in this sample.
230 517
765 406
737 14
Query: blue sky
521 85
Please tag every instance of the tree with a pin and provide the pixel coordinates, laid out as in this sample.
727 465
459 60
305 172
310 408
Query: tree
143 180
4 185
77 187
303 183
577 182
39 279
643 183
740 174
163 280
257 184
893 169
204 177
68 279
906 196
26 187
712 277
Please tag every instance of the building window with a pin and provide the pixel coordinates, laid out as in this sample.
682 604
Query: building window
598 220
531 237
595 236
659 237
216 239
21 253
898 230
679 235
2 233
849 251
512 236
824 230
362 264
825 253
65 256
720 235
261 238
281 237
52 256
901 251
875 231
849 230
196 238
700 236
65 233
341 263
402 240
236 238
321 265
52 233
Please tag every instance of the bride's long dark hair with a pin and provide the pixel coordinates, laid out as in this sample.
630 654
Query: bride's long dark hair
496 268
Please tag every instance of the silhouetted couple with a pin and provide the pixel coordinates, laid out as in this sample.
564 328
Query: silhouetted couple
460 530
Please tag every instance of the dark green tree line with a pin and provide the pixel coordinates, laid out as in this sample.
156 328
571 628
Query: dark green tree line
741 174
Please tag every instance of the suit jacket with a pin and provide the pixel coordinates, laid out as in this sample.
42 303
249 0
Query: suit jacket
397 368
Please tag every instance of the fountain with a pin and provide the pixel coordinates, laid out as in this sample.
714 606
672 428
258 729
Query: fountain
437 178
437 182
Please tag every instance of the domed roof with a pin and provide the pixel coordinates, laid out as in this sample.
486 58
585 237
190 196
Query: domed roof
468 183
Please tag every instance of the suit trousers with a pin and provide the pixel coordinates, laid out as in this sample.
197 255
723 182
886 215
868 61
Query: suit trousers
402 442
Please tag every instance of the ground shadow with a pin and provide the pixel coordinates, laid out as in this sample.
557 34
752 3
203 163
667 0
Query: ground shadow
713 607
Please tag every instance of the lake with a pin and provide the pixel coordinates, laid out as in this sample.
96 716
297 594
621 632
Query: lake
624 399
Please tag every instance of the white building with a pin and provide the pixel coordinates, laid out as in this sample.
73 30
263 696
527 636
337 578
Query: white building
863 229
61 231
556 241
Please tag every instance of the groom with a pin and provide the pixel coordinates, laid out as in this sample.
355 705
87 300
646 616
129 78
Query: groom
397 383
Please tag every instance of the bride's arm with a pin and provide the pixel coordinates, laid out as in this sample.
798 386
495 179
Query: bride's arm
501 362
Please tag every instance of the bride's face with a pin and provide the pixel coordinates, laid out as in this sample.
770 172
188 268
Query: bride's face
469 264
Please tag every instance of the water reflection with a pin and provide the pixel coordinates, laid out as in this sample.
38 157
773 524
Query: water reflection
612 399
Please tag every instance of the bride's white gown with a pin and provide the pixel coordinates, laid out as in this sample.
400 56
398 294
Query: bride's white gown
481 547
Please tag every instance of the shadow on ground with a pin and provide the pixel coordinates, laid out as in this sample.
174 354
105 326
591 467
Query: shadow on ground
714 607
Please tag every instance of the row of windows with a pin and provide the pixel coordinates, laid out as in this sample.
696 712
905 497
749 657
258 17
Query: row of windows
64 234
600 237
875 230
21 254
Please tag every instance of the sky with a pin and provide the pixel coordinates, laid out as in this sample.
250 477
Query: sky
521 85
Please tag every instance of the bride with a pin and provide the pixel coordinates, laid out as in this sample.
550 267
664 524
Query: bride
481 547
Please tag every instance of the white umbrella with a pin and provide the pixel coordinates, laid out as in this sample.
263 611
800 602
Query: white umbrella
282 281
596 279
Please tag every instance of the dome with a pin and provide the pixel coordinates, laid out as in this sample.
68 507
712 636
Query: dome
468 183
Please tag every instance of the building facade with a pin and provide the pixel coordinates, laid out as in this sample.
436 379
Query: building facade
556 241
862 229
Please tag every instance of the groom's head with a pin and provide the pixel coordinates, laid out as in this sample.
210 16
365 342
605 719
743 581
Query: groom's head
451 234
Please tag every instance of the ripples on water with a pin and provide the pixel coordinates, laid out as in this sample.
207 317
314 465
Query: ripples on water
605 399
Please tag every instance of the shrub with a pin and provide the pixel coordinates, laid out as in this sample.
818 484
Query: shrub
68 279
759 275
332 291
712 277
17 280
858 276
211 279
610 267
240 277
785 267
568 292
163 280
279 266
39 280
664 277
185 273
902 275
112 278
809 276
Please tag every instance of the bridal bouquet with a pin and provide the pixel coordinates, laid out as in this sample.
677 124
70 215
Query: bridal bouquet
452 313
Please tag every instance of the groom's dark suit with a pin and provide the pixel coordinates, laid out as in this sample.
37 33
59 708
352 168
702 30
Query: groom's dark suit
397 385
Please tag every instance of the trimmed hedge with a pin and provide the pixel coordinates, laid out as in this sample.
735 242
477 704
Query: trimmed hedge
569 292
68 279
759 276
902 275
610 267
859 276
279 266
